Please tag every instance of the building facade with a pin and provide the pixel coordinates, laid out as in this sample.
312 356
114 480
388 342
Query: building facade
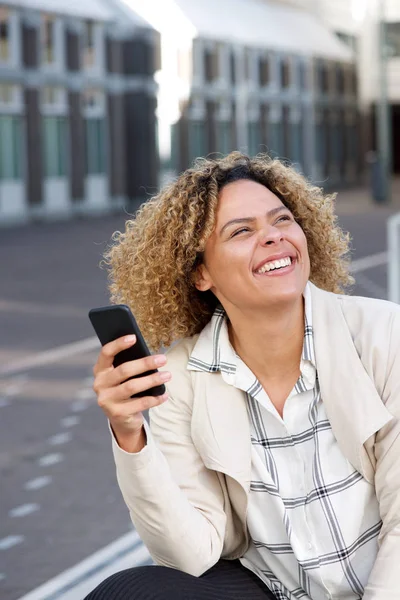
378 53
255 77
357 23
256 99
77 109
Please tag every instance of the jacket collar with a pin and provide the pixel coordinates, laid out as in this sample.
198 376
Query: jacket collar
213 350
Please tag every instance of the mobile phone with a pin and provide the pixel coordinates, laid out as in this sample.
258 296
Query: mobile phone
115 321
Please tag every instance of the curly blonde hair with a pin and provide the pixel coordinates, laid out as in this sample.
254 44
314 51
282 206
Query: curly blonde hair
151 266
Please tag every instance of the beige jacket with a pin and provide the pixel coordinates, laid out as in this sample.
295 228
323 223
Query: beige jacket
187 490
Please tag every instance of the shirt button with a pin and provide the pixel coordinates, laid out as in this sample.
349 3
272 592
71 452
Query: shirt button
309 546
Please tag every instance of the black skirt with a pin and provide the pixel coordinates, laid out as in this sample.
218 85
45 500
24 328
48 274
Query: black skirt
227 580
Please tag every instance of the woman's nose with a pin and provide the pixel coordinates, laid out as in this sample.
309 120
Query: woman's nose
271 236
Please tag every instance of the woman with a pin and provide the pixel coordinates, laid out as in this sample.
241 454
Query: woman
271 468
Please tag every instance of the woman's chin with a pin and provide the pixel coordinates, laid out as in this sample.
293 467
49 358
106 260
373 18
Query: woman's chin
286 292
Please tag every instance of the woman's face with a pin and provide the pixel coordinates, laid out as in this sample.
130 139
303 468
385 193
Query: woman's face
253 231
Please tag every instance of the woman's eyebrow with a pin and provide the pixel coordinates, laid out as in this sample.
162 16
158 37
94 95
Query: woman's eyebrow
270 213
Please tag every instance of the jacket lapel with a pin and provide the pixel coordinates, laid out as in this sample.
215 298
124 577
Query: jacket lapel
352 402
220 427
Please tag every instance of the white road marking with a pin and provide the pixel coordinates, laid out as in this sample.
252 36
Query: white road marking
2 576
60 438
128 551
369 262
85 394
10 541
13 389
370 286
23 510
50 356
50 459
136 558
70 421
58 310
38 482
22 377
4 402
79 406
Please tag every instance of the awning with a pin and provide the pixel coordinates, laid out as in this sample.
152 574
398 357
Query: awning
86 9
246 22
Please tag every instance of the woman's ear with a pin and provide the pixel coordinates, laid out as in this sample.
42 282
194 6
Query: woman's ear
202 279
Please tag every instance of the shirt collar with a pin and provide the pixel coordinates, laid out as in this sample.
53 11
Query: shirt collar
213 351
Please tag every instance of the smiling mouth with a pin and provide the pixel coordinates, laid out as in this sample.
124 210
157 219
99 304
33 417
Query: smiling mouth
277 267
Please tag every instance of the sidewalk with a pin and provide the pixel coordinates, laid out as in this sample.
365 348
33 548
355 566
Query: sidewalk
359 200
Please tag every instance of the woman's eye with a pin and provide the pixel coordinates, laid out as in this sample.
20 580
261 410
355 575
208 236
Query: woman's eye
239 231
284 218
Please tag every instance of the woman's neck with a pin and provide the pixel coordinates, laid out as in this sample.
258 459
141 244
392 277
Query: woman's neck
270 344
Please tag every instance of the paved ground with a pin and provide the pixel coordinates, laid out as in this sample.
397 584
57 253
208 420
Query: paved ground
60 502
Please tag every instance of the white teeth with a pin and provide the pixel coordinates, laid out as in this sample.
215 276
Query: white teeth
275 264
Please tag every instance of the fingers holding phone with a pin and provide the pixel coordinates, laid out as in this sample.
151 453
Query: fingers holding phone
109 351
127 381
115 387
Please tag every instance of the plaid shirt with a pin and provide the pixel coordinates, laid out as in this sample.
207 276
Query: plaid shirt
313 519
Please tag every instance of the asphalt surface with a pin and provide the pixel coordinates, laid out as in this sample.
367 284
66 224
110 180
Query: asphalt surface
59 497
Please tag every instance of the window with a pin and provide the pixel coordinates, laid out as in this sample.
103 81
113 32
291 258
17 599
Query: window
224 137
353 81
95 146
93 101
10 147
248 64
264 124
95 124
89 47
321 141
50 95
232 68
335 138
297 143
352 136
263 71
322 77
302 75
7 93
341 130
54 129
285 72
197 139
55 146
340 79
254 138
48 40
10 98
275 138
4 34
210 65
393 38
286 127
53 99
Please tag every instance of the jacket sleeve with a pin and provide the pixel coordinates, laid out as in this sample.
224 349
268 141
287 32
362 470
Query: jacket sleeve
175 502
384 580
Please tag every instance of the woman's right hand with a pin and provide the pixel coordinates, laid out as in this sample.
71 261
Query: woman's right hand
114 391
